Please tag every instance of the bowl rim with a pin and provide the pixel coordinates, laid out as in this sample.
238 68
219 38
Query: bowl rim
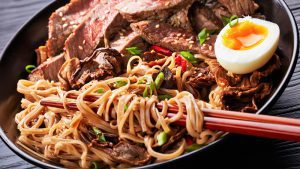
275 96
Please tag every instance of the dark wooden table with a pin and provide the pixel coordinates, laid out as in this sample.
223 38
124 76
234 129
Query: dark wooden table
237 152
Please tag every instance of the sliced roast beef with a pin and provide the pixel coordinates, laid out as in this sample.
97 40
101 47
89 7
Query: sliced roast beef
131 154
62 23
101 22
202 77
181 19
202 16
48 70
220 11
175 39
127 38
138 10
240 7
102 64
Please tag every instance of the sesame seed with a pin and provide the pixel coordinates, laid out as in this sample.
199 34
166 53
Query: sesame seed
63 19
81 13
80 47
65 25
157 26
191 46
191 42
178 34
210 47
176 41
60 14
167 3
83 42
72 22
75 26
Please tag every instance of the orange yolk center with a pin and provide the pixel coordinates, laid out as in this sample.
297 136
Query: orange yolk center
245 35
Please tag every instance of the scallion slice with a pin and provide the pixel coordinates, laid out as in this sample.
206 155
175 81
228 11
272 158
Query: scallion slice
193 147
29 68
159 80
100 135
164 97
189 57
95 165
100 91
120 84
162 138
234 20
202 36
134 50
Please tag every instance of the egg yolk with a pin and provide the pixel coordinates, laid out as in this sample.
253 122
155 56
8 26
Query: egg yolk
245 35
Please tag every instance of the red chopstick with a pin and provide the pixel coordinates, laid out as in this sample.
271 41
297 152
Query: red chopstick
227 121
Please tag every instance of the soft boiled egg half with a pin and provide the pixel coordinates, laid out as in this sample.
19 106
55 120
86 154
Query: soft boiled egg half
246 46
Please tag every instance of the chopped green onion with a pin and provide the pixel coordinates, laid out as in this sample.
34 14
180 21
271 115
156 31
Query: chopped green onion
125 108
148 87
225 20
145 93
95 165
202 36
29 68
152 88
164 97
159 79
134 50
100 91
100 135
193 147
162 138
141 81
96 131
120 84
101 138
233 20
189 57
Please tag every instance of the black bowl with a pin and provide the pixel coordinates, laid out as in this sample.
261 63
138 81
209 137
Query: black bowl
20 52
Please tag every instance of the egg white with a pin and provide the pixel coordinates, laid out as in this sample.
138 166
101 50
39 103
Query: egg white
247 61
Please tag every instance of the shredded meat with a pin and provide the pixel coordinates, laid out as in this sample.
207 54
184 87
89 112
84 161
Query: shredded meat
102 64
130 154
244 92
203 17
240 7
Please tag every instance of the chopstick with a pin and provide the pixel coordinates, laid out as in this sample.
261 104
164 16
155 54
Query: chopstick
217 113
221 120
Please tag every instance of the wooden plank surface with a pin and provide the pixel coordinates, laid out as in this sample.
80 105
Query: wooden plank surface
237 152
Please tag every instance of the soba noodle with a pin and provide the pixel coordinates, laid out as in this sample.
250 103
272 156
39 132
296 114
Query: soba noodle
54 133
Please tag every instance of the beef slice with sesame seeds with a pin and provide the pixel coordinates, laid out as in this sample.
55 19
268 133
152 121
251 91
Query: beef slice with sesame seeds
175 39
48 70
61 24
101 22
138 10
127 38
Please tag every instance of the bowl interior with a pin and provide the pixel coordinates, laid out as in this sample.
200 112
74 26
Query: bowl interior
20 52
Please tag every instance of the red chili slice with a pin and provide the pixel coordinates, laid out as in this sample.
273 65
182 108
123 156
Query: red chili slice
181 62
161 50
189 140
